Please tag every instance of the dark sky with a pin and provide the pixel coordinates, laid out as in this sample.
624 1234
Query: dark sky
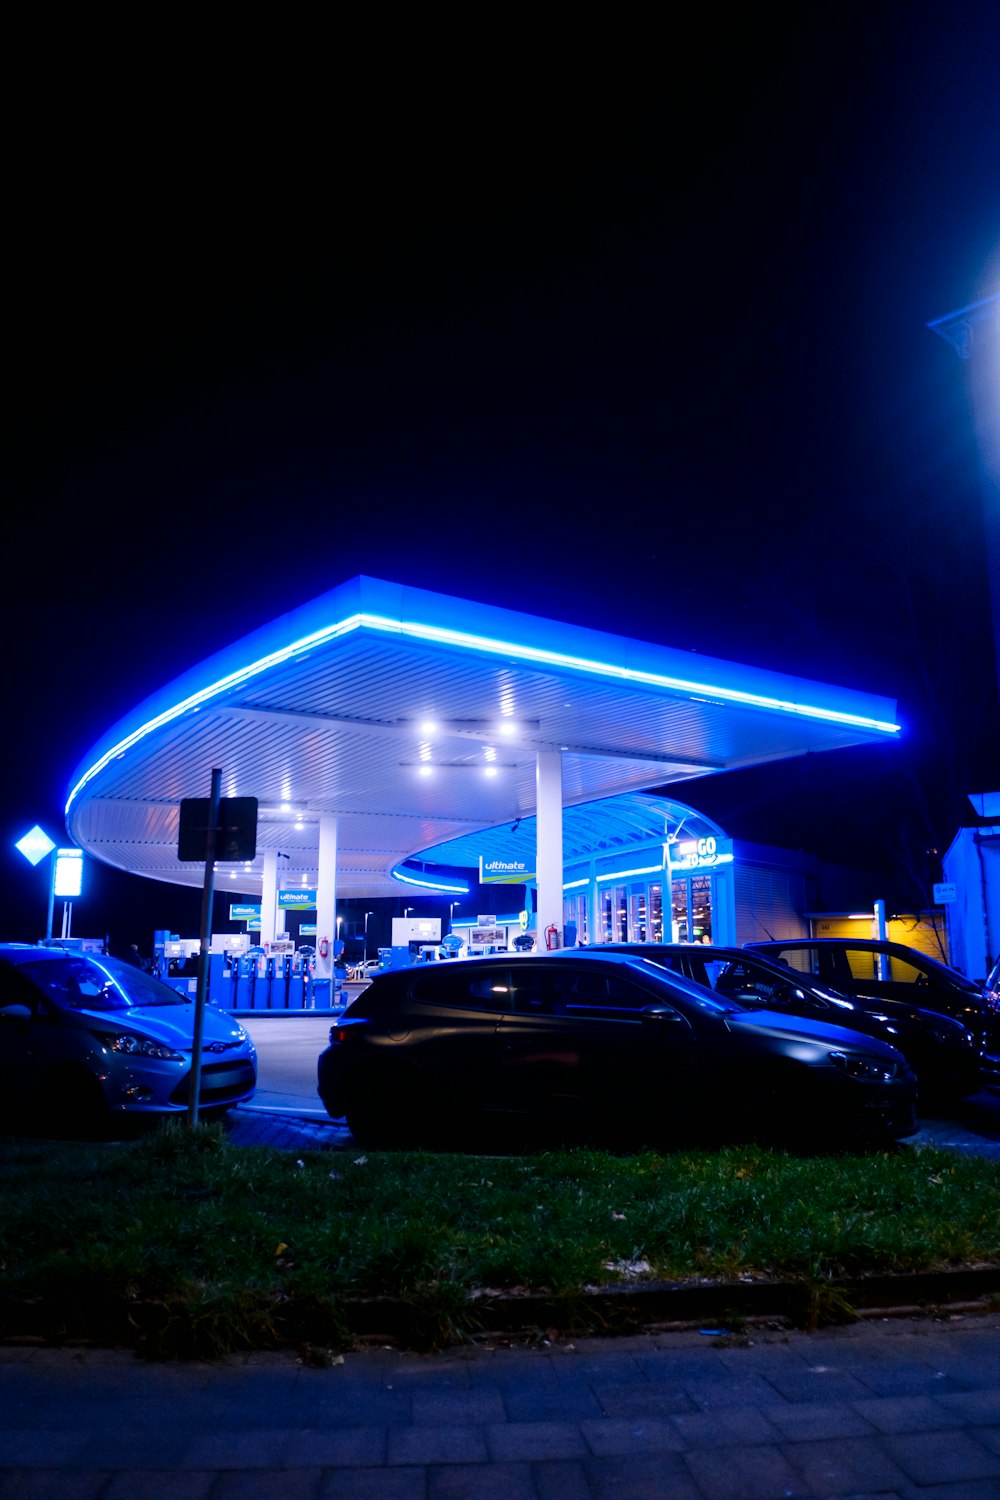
618 325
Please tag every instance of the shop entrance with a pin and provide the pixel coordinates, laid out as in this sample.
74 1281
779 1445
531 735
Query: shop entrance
632 914
692 899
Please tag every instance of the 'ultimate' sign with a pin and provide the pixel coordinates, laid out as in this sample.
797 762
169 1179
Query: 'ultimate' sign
504 871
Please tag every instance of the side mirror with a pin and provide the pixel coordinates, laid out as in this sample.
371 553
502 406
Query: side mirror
15 1012
663 1015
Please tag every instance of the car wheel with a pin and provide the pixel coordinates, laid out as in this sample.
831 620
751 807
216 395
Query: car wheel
388 1107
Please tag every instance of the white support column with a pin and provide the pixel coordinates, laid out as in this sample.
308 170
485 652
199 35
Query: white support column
549 851
595 934
269 898
326 896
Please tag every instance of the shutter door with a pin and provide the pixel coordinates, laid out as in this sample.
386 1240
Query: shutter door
769 904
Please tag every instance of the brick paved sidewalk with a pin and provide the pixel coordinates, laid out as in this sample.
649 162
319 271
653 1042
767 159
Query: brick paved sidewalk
900 1410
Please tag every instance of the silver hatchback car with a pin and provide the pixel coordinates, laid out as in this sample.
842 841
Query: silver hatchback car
86 1039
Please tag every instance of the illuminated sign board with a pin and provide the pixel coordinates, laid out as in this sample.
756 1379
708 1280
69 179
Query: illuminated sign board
245 914
415 930
35 845
297 900
504 871
69 873
701 854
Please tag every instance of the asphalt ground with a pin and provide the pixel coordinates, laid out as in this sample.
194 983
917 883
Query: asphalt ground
975 1130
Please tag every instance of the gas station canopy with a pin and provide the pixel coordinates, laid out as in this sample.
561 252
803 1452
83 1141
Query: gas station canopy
414 719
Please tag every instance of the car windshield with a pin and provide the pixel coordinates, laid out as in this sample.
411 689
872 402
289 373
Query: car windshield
95 982
697 994
777 982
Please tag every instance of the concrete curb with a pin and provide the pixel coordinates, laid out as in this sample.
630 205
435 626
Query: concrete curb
722 1308
614 1310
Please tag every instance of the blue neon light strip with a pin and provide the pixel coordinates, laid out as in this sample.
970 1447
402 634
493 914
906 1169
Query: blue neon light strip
442 635
431 885
195 700
624 874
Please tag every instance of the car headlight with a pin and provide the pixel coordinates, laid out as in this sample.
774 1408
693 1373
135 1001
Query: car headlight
950 1038
134 1045
872 1069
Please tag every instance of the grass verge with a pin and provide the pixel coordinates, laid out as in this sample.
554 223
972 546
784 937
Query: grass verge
180 1244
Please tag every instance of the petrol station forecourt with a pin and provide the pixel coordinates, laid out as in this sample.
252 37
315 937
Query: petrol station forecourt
378 722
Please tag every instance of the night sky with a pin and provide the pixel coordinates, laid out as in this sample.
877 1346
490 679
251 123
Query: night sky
620 326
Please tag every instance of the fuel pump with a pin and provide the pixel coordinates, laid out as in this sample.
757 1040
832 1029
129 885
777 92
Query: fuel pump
303 965
254 964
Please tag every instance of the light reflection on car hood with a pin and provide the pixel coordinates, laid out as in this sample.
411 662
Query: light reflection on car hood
823 1033
172 1024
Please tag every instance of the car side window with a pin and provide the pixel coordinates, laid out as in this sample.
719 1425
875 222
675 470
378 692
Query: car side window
740 979
866 964
463 988
732 978
17 989
587 991
535 990
802 960
863 963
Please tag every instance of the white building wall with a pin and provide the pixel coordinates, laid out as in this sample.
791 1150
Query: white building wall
972 866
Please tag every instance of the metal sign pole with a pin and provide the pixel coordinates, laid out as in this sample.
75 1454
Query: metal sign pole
206 937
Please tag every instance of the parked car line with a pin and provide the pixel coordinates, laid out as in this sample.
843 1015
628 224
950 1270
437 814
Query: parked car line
589 1042
944 1055
871 969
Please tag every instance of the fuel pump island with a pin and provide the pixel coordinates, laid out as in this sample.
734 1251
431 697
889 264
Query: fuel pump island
244 976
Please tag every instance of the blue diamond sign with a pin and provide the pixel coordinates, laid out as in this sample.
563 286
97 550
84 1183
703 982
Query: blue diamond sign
35 844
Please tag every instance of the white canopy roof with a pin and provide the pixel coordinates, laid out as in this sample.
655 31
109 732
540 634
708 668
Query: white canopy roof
415 718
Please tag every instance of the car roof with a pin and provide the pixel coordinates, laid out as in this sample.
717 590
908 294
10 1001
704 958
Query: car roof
874 945
731 950
480 960
22 953
19 952
726 953
618 959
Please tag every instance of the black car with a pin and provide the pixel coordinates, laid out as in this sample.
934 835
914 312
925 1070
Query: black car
606 1042
991 994
942 1053
870 969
